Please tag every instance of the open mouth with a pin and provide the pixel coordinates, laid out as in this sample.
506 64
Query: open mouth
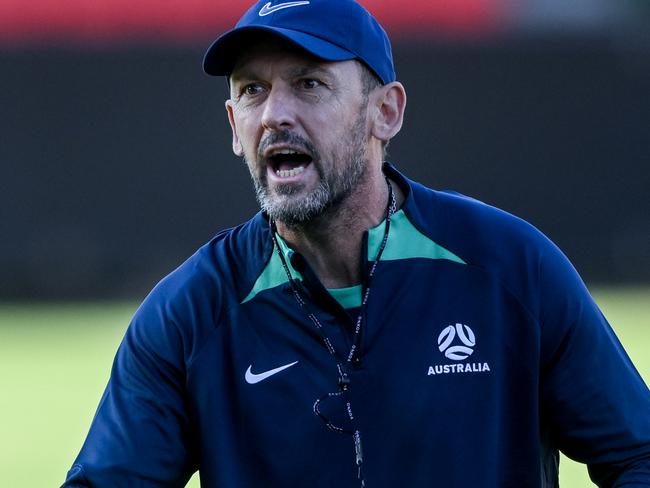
287 163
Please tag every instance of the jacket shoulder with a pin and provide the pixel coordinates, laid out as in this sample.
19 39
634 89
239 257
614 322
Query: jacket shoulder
191 301
509 249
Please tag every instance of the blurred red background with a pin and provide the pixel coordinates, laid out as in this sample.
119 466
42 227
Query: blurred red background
187 20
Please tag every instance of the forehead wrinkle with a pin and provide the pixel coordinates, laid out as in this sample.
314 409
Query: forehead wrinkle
307 68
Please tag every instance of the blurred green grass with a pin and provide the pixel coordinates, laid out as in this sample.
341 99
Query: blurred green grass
55 360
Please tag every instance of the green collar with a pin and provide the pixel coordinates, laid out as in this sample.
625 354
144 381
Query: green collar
405 241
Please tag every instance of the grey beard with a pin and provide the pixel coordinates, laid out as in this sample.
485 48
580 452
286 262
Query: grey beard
333 188
325 198
293 212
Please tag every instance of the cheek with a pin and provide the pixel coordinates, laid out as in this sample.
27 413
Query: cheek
331 122
249 135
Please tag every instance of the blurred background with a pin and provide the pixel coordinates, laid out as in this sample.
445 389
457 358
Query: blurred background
115 148
115 165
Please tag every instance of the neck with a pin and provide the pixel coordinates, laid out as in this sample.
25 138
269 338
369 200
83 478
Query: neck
332 243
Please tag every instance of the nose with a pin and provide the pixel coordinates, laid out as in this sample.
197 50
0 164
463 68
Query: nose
279 110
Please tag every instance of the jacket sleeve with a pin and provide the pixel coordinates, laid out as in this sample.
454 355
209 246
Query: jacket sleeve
593 400
140 435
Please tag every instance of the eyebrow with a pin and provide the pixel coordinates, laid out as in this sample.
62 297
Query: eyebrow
242 74
301 71
294 72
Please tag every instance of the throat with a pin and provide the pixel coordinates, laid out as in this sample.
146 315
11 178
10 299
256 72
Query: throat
335 257
339 266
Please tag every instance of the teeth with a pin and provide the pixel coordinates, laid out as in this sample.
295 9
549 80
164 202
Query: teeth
286 173
285 152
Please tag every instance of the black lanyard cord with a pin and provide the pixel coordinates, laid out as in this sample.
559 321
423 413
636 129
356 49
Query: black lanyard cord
344 380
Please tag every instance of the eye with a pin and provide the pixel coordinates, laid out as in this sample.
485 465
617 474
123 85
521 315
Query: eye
252 89
310 83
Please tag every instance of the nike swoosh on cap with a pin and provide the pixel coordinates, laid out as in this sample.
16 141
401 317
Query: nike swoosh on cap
269 9
252 378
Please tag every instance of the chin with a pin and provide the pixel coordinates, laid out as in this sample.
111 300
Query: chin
288 191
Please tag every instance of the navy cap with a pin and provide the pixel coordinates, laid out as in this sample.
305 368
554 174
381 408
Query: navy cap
333 30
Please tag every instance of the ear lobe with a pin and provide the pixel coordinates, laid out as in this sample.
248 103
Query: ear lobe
236 143
390 114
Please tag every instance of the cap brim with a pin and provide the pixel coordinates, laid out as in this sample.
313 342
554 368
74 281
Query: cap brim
221 56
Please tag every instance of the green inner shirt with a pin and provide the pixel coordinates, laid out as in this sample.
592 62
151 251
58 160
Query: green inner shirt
348 297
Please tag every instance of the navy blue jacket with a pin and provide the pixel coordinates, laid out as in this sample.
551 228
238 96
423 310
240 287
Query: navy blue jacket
482 354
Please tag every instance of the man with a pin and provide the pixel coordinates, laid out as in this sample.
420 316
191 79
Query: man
362 330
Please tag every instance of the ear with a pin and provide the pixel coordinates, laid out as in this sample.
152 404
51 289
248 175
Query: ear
236 143
391 103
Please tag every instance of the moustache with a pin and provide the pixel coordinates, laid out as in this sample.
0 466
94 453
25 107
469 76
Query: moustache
286 137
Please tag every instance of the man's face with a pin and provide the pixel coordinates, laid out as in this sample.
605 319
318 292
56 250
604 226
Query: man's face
301 126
